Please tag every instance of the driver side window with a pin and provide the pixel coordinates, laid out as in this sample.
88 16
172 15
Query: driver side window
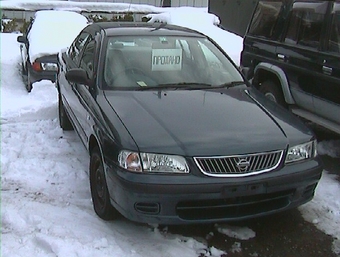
77 46
87 59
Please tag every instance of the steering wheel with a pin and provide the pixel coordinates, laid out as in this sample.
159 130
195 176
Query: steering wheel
134 70
128 79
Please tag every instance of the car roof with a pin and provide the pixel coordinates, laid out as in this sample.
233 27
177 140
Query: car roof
142 28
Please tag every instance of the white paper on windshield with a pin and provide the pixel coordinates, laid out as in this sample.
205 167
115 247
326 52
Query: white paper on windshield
166 59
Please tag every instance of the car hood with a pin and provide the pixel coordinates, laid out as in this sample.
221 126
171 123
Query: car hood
197 122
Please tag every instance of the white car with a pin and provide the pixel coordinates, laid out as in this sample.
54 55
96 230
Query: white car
50 31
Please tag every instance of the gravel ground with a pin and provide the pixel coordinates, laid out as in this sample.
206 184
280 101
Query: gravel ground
281 235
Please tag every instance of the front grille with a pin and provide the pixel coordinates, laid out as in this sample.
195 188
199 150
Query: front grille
239 165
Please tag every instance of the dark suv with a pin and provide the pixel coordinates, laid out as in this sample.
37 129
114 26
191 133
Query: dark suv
292 54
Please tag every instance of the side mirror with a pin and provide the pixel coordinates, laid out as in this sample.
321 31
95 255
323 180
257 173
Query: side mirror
77 76
22 39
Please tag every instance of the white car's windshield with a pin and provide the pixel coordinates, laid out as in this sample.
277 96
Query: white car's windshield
153 61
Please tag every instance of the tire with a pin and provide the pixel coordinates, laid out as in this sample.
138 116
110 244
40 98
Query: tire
99 192
64 121
23 69
29 84
273 92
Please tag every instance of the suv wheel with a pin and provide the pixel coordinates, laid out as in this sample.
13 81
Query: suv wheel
273 92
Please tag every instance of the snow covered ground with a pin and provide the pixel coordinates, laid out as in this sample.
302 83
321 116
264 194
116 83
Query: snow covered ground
46 207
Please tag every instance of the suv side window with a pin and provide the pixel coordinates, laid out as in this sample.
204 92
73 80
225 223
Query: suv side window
265 19
334 41
306 23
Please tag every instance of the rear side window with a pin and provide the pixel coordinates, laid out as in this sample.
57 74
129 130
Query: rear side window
306 23
334 41
265 19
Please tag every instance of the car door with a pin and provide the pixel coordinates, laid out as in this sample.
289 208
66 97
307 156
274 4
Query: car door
299 52
72 58
327 94
85 93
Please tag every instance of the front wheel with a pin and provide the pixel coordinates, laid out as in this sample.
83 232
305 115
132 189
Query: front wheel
99 191
273 92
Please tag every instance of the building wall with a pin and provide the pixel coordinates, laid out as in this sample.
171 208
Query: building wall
195 3
25 13
234 14
17 14
150 2
174 3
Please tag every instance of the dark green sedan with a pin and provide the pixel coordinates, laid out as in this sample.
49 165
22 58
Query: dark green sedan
175 133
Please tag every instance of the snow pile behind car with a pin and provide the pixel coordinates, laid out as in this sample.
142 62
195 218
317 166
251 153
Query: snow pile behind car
207 23
52 31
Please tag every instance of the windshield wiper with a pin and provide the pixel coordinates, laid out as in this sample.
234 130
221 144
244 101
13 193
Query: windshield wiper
191 86
230 84
182 85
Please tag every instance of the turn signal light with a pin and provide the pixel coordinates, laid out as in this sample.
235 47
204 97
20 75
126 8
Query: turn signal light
36 66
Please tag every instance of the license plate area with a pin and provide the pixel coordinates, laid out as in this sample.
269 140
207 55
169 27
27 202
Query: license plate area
241 190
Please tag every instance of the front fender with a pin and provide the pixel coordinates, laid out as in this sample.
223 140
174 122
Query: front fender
281 76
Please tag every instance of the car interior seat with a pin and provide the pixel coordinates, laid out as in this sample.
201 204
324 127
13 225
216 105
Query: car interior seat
115 68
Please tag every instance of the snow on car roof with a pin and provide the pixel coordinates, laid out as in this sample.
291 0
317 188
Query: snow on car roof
53 30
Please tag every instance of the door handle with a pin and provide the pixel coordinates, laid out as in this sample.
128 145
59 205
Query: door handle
281 57
327 70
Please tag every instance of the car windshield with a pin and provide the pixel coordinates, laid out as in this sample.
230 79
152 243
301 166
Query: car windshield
149 62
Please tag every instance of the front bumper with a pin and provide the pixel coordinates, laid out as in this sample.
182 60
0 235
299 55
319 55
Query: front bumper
185 199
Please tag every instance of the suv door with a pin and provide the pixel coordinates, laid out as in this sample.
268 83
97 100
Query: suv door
327 93
261 39
299 52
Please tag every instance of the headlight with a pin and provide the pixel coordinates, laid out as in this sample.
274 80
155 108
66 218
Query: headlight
149 162
301 152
